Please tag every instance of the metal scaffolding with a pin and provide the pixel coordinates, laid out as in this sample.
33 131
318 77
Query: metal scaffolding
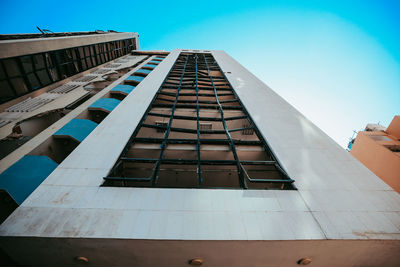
196 84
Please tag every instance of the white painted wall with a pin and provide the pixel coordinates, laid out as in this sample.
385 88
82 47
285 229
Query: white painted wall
337 197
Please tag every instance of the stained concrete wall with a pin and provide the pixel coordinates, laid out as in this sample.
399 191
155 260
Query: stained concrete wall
337 197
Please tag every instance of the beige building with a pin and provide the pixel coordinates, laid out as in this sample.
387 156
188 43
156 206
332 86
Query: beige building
178 158
378 148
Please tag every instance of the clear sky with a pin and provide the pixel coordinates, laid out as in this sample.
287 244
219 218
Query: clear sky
337 62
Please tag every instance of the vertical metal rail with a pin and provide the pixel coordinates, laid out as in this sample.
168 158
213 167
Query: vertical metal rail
242 181
93 47
8 78
261 138
79 59
24 74
34 71
199 176
56 64
47 67
85 57
92 55
166 133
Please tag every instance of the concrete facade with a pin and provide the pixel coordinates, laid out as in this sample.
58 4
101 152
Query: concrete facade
340 214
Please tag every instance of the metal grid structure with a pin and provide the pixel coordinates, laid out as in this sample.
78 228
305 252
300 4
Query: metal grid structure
197 134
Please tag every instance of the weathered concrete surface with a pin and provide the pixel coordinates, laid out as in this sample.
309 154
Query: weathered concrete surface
337 198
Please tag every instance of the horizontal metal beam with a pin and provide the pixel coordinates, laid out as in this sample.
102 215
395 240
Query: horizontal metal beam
192 94
161 105
194 88
183 130
241 129
203 162
181 117
194 141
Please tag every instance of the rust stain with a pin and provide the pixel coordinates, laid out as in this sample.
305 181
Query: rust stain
367 233
62 199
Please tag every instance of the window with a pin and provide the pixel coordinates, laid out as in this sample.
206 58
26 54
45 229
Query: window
394 148
24 74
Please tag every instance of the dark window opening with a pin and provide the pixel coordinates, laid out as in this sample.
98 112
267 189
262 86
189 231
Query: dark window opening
25 74
393 148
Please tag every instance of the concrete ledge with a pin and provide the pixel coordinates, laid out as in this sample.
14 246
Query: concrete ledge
125 252
14 48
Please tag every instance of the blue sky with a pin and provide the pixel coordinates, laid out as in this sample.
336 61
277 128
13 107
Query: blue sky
337 62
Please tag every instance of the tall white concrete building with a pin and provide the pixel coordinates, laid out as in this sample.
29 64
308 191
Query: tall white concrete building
181 158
